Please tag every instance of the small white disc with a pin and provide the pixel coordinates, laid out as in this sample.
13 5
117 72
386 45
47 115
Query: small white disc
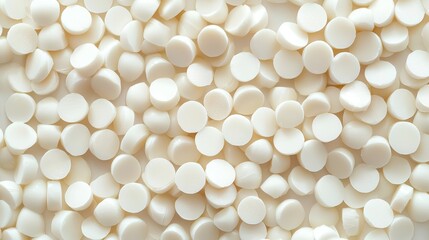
55 164
251 210
20 107
76 19
329 191
378 213
78 196
237 130
380 74
326 127
404 138
190 178
192 116
73 108
287 208
311 17
244 66
288 141
134 197
209 141
364 178
159 175
397 171
220 173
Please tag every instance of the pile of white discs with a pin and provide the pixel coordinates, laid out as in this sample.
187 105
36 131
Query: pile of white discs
214 119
